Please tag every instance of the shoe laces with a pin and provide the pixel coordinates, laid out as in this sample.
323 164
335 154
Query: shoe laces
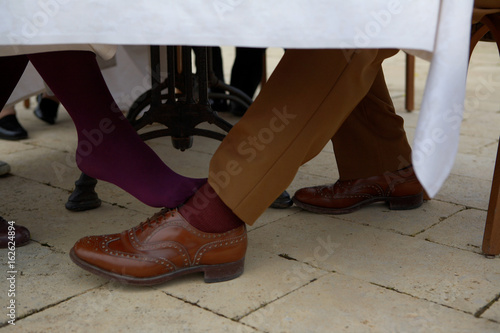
154 219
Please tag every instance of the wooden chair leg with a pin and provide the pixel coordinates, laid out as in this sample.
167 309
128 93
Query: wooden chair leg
492 22
264 70
476 37
410 83
491 239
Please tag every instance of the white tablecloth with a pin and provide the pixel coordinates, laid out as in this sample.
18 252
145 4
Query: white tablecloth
127 79
435 29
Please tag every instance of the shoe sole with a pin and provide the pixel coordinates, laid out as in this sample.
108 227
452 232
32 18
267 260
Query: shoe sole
39 115
212 273
395 203
13 137
80 206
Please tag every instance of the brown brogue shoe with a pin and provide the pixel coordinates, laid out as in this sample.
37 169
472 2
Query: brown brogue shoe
162 248
400 189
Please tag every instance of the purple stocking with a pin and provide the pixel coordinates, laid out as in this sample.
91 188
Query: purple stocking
108 146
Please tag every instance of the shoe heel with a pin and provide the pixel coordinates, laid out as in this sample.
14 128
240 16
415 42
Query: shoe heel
407 202
224 272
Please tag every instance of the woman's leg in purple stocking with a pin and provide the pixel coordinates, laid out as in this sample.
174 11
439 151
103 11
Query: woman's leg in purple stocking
108 147
11 70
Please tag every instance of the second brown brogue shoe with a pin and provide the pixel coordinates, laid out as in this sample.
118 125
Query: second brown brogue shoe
161 249
400 189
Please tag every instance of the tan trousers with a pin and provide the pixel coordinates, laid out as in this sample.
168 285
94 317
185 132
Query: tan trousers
372 139
306 100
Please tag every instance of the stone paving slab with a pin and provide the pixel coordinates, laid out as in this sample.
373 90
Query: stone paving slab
484 125
493 313
484 147
12 147
42 211
452 277
60 136
273 214
114 308
466 191
266 278
480 167
338 303
44 277
463 230
45 165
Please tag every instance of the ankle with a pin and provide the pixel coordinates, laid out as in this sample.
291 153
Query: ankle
207 212
7 111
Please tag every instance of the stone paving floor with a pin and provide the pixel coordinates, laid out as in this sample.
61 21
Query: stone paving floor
374 270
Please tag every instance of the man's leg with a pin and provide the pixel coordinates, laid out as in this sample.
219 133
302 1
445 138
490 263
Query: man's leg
12 68
108 146
373 158
246 74
303 104
305 101
372 140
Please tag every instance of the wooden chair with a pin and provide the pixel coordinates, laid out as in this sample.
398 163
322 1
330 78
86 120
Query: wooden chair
485 28
488 29
410 83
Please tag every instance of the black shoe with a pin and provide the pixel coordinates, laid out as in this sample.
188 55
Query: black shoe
219 105
46 109
237 109
283 201
10 129
4 168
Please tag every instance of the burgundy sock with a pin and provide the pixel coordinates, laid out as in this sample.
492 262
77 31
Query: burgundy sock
207 212
108 146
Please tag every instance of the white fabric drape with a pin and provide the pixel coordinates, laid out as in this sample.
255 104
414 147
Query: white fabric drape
434 29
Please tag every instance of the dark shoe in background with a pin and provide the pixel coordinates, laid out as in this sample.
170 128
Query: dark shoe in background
46 109
283 201
237 109
11 129
21 234
4 168
219 105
